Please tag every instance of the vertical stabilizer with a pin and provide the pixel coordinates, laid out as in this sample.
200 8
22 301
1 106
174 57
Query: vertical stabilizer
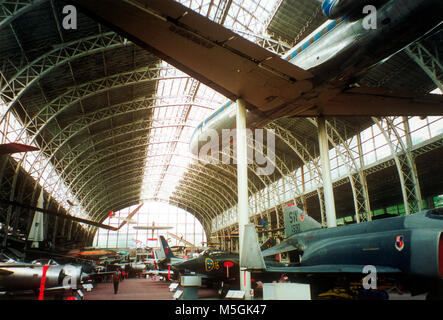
297 221
165 248
36 233
251 257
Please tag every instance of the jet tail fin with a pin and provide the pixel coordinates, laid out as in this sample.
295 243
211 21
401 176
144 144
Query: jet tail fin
250 256
165 248
297 221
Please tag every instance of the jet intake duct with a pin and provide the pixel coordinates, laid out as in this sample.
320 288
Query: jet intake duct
426 253
335 9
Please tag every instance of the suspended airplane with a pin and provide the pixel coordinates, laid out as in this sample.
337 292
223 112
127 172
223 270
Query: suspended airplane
127 219
92 254
36 233
14 147
316 78
405 249
153 228
181 239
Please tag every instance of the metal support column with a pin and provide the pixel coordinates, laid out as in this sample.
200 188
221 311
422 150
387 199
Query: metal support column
242 189
331 219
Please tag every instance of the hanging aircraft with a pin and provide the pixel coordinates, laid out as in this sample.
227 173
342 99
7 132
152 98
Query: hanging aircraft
318 77
407 250
153 227
127 219
14 147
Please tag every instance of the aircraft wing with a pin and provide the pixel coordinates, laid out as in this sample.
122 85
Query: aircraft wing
13 147
237 68
284 246
334 268
152 227
366 101
4 272
205 50
129 217
19 265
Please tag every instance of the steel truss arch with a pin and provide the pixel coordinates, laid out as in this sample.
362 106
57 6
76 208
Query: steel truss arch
15 9
130 196
140 125
280 165
356 176
83 123
80 92
188 208
77 93
404 160
265 180
307 158
194 178
13 88
205 208
129 168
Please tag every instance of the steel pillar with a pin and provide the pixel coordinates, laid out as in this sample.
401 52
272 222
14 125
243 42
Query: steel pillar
242 186
331 219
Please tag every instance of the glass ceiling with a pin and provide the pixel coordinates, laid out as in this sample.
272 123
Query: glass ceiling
188 102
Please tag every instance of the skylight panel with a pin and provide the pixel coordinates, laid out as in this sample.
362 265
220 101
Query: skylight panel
190 102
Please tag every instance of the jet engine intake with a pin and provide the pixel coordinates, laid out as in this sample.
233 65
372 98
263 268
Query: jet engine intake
335 9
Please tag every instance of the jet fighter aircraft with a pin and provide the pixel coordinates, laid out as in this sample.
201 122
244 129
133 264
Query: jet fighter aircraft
406 249
17 276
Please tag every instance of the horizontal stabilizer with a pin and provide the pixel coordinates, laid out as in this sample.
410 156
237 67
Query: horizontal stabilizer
377 102
279 248
19 265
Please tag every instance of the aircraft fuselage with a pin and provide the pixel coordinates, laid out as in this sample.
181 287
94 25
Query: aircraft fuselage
341 52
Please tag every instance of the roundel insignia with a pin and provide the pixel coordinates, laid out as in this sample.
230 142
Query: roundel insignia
209 264
400 242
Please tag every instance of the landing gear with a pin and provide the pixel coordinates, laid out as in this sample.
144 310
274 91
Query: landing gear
223 290
435 294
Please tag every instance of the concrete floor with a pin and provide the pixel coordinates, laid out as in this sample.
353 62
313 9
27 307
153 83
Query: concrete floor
139 289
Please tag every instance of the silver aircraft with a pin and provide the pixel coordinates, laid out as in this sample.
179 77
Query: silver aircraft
17 276
341 52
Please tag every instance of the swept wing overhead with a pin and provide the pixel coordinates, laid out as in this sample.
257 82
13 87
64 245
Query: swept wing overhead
53 213
129 217
237 68
205 50
13 147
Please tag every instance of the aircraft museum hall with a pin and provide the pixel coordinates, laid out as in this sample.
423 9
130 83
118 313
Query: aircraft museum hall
221 150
